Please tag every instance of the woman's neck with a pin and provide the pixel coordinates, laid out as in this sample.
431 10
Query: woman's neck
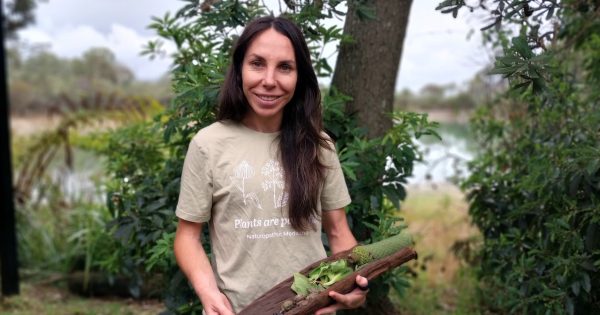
262 125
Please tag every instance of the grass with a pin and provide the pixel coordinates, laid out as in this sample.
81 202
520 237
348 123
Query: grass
455 297
443 284
36 298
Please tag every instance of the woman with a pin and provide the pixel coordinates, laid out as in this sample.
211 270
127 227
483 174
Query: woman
264 177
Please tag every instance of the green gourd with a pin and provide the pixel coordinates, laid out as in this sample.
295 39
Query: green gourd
364 254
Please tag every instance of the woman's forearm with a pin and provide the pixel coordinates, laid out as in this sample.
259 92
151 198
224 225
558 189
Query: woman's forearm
192 258
193 261
337 230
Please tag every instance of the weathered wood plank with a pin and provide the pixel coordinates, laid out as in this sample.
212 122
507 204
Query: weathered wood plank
270 303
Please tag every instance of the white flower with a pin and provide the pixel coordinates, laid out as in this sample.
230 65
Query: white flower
244 170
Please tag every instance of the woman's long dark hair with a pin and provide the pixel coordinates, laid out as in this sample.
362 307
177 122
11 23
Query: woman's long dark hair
300 138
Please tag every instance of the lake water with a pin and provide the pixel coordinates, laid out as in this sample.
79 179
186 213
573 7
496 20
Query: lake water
444 161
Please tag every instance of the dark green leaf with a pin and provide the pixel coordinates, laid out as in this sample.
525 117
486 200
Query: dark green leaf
587 285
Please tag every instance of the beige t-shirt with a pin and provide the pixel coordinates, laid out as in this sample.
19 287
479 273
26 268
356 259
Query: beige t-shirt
232 178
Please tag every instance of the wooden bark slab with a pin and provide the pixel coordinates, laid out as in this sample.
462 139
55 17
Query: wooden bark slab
270 303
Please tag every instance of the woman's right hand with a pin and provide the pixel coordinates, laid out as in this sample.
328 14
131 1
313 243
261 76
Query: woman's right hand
217 304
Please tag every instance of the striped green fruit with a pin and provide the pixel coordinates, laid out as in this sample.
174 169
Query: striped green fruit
364 254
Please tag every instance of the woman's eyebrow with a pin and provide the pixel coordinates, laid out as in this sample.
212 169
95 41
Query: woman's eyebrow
257 56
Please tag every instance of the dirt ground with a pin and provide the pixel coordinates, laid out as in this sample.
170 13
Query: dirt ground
29 125
24 126
32 124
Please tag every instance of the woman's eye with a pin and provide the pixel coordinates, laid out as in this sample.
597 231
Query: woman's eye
256 63
285 67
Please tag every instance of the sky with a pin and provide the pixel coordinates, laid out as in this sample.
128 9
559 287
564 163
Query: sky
436 49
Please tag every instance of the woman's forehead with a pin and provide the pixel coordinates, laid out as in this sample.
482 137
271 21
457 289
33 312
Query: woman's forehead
271 44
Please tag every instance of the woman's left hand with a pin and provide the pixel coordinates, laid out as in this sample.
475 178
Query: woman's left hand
354 299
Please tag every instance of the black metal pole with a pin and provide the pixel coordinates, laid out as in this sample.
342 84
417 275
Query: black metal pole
8 241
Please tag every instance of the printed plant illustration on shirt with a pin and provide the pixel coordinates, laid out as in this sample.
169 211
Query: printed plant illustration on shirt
243 172
274 181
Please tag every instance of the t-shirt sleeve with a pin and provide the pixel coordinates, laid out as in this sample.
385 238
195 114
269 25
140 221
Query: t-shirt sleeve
335 192
195 194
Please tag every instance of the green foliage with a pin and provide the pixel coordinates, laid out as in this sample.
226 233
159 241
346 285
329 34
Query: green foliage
62 221
61 230
376 171
145 161
139 200
535 189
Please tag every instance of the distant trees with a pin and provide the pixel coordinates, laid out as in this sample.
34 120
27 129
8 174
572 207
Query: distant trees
99 66
478 91
38 78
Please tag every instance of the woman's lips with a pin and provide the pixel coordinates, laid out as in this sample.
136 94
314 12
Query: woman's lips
267 100
267 97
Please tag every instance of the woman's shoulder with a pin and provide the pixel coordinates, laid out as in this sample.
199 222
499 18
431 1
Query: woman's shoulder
327 148
215 133
329 143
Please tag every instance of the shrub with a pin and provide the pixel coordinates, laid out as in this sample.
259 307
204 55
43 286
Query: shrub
534 190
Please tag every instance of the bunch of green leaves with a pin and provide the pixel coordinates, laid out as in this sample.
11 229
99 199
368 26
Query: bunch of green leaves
322 277
534 190
329 273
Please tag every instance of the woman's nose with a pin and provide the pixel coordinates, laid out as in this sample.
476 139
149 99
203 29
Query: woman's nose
269 78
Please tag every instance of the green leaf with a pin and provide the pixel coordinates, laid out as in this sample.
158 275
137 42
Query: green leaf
394 194
327 273
593 167
521 87
570 306
301 284
574 184
506 71
522 47
349 172
575 286
587 285
337 270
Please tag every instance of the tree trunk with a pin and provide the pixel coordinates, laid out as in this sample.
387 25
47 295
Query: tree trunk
367 68
9 264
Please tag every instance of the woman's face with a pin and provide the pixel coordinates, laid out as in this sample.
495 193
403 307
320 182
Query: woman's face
269 77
